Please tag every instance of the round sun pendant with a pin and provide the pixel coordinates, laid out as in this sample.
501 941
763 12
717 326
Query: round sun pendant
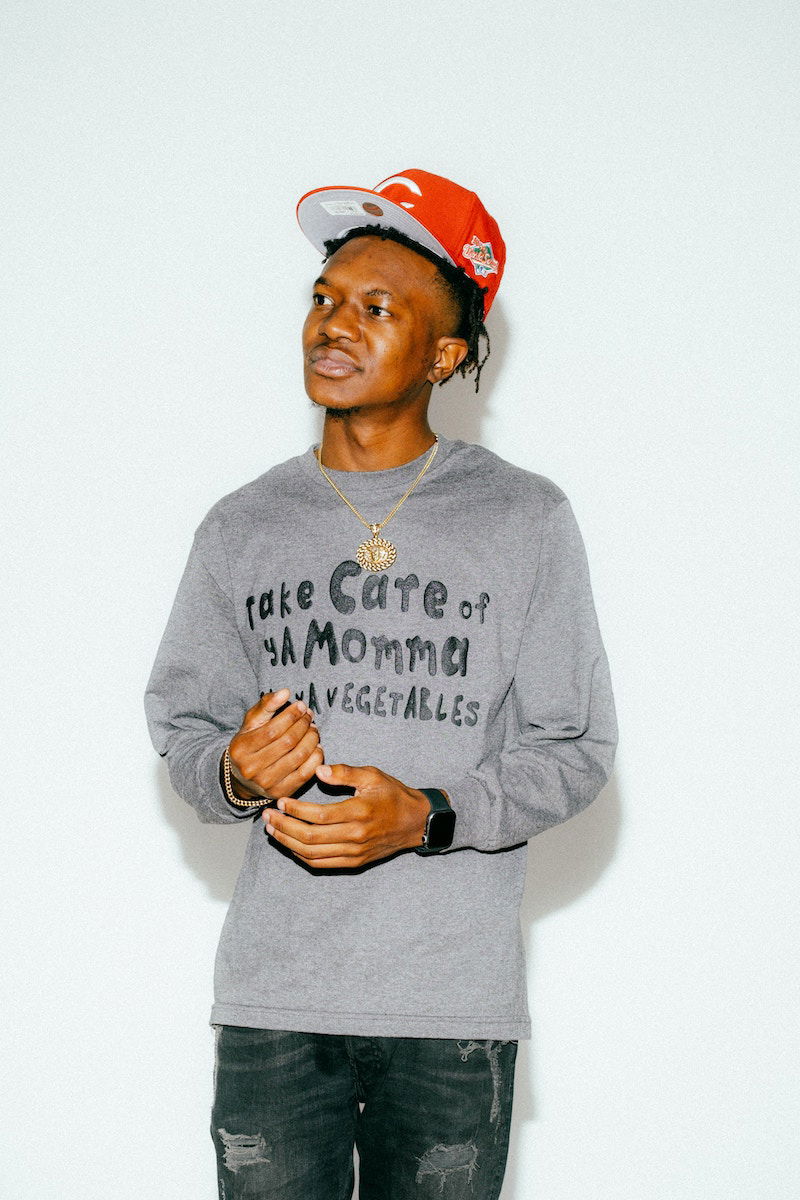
377 553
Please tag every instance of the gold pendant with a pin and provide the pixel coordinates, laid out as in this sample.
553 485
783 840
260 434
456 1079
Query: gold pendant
377 553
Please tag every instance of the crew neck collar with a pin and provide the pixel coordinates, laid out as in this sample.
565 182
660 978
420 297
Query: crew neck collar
387 474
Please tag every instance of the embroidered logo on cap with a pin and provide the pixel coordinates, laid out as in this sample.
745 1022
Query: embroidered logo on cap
481 256
403 181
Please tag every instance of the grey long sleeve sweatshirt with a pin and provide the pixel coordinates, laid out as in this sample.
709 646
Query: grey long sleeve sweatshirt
474 664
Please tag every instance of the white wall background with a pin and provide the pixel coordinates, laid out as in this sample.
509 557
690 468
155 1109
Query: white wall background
642 158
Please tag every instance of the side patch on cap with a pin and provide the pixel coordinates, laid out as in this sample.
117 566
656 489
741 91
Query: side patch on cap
481 256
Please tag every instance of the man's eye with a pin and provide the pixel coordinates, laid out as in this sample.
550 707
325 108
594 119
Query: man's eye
319 300
375 310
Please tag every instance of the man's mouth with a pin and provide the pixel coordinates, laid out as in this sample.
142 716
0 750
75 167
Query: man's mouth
332 363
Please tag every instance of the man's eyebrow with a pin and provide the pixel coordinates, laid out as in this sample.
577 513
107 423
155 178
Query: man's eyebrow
321 281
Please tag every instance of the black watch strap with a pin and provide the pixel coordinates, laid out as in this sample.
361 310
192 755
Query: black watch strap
441 823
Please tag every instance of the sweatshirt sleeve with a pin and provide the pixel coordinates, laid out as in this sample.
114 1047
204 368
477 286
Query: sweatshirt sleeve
561 730
202 682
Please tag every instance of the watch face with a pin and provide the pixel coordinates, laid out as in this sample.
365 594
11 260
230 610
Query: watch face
440 830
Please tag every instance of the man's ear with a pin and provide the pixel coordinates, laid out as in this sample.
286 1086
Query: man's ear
450 353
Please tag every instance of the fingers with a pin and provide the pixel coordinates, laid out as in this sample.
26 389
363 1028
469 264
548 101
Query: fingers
383 817
299 832
276 752
295 780
316 845
262 712
344 812
273 740
264 724
296 752
328 846
341 775
316 832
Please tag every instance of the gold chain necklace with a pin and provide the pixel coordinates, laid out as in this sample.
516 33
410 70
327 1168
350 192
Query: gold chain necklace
377 553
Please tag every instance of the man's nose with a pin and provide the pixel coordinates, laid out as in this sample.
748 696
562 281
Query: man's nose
340 321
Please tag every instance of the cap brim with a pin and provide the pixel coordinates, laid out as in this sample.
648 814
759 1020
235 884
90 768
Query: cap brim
331 212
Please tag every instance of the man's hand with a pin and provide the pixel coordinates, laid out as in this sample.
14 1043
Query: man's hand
274 753
383 816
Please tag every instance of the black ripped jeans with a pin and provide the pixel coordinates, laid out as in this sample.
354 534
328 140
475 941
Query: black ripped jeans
430 1117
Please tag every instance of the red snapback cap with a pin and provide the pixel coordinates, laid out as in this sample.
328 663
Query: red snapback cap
439 214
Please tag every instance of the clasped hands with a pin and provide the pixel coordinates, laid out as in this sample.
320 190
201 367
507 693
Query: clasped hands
278 749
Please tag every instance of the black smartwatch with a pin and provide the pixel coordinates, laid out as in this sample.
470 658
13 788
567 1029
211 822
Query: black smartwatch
441 823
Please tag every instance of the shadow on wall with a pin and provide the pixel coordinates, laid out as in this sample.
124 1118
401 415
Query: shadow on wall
457 410
213 853
564 863
567 861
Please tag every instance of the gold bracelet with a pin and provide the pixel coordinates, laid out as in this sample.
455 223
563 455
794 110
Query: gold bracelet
229 792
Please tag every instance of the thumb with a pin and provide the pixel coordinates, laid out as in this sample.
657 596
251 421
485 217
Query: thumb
340 775
266 708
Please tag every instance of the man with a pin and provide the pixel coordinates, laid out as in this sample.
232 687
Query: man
386 650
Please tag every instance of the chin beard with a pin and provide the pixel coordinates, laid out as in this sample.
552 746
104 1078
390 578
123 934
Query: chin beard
338 414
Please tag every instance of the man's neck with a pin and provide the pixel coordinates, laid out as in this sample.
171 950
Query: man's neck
357 441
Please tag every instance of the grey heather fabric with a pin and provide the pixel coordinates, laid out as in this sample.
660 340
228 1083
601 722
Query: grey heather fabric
473 664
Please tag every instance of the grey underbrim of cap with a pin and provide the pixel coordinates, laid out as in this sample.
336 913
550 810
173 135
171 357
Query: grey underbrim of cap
321 225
